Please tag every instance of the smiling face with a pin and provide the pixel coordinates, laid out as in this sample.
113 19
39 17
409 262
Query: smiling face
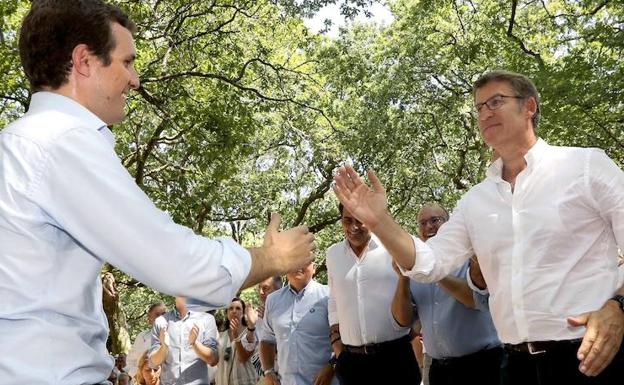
109 84
510 122
356 233
430 218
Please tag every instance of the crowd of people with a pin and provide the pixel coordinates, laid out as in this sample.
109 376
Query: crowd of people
519 286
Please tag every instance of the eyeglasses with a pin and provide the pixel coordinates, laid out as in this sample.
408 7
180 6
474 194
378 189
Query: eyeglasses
495 102
432 221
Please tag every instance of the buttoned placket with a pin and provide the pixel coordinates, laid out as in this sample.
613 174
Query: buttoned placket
359 262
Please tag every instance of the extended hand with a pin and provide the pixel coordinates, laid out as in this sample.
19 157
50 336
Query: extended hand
367 204
288 250
605 329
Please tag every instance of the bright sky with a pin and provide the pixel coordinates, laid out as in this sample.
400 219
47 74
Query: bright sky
380 15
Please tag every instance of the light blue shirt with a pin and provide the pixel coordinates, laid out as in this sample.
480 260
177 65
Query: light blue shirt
298 324
182 366
449 328
67 205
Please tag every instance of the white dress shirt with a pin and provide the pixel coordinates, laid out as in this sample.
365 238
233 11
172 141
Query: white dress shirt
67 205
361 292
548 251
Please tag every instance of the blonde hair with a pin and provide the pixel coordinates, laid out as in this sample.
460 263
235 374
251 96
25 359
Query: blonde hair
143 360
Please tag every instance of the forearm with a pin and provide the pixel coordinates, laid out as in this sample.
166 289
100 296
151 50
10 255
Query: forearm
402 304
243 354
260 268
459 289
159 356
206 354
335 339
267 355
396 240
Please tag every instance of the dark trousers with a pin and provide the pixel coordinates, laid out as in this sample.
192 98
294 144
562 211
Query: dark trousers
558 365
390 362
482 367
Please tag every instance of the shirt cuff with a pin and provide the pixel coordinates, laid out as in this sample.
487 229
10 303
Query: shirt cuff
423 263
473 286
239 266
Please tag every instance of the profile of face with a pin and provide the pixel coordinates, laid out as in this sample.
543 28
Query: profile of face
356 233
430 218
235 311
265 288
109 85
300 278
155 313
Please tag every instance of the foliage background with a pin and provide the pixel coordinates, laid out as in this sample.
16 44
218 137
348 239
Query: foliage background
243 111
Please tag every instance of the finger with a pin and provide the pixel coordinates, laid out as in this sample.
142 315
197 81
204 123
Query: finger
580 320
274 224
600 355
588 340
353 176
375 183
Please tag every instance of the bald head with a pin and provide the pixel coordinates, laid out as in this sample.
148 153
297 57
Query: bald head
430 217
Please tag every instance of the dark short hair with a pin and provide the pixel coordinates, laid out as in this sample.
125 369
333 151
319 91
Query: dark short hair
277 281
522 86
155 305
53 28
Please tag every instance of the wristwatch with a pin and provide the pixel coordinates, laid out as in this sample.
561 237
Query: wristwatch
268 371
620 300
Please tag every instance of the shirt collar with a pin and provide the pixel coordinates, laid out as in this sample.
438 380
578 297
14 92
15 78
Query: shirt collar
45 100
537 152
373 243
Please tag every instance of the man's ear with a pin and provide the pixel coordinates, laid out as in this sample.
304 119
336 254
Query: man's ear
82 60
531 105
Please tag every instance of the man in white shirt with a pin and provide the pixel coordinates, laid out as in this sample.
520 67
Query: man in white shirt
546 224
67 205
143 340
371 348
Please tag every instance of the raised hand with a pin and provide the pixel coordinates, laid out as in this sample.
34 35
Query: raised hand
251 315
367 204
234 324
261 311
163 337
288 250
193 335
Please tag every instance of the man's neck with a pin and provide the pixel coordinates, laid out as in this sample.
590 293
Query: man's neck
297 288
358 250
513 158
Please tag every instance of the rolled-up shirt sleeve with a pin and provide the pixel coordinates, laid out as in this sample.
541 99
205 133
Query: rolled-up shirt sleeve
86 191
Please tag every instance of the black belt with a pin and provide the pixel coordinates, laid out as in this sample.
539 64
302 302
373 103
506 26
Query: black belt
495 351
376 348
541 347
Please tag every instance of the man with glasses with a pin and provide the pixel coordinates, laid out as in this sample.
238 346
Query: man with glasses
546 224
461 345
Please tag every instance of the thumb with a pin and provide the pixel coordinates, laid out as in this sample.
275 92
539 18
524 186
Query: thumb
274 224
580 320
375 183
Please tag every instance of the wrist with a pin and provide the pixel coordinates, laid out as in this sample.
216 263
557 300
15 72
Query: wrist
268 371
